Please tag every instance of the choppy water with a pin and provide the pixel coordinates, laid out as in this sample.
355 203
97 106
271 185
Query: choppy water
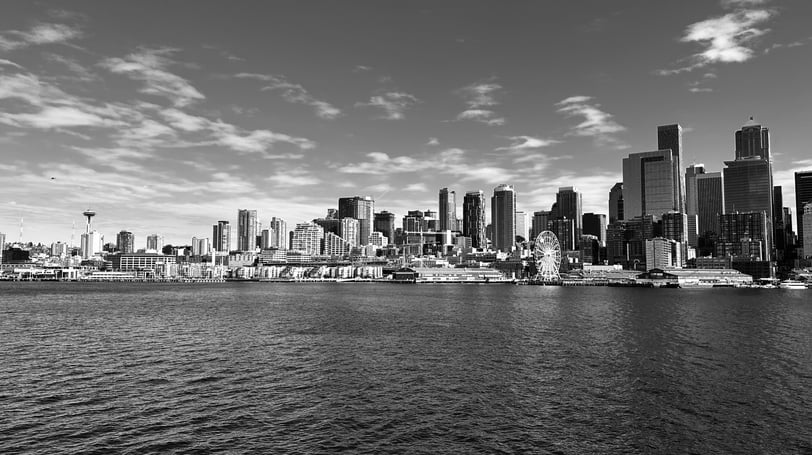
365 368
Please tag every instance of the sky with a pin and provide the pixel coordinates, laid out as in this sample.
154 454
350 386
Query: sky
164 117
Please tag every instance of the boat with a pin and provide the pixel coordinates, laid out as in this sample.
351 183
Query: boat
792 284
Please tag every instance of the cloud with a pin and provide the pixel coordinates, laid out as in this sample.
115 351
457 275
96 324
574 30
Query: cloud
416 187
524 143
150 67
80 72
53 117
433 141
393 104
39 34
294 177
382 163
235 138
724 39
294 93
361 68
4 62
596 124
477 96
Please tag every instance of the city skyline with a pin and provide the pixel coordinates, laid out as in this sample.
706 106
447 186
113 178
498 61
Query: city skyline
272 107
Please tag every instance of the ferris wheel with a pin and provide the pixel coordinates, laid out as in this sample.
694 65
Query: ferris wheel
548 256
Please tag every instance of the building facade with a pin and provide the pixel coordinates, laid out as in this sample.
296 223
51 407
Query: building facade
616 208
125 242
503 218
803 196
595 224
361 208
473 218
221 236
307 238
649 184
279 233
385 224
447 210
246 230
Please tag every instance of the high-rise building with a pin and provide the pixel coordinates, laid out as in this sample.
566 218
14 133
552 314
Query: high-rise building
692 201
806 221
279 233
803 196
473 218
569 203
503 218
675 227
447 210
385 224
541 220
753 141
246 230
330 224
58 249
649 184
616 210
749 178
200 247
221 237
664 253
155 242
780 241
350 231
2 246
669 137
91 244
125 242
522 225
595 224
710 202
564 229
307 238
360 208
743 236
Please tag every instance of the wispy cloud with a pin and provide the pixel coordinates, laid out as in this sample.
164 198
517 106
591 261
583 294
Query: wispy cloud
597 123
5 62
524 143
40 34
394 104
478 97
725 39
433 141
294 93
150 66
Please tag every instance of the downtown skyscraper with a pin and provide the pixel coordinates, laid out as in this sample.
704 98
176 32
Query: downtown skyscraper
749 178
473 218
503 218
803 196
669 137
246 230
447 210
569 203
362 208
221 237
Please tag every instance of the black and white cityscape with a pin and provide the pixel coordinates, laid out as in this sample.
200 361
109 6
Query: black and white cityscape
379 226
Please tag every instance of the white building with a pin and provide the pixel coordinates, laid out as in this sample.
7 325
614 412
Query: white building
307 238
91 244
807 222
335 245
663 253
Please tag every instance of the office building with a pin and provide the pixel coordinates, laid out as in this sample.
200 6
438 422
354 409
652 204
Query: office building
564 229
649 184
541 220
221 237
246 230
58 249
569 203
2 246
595 224
361 208
307 238
279 233
503 218
803 196
710 202
384 223
473 218
669 137
692 201
523 225
625 240
590 252
749 179
806 221
155 243
125 242
662 253
330 224
616 210
447 210
743 236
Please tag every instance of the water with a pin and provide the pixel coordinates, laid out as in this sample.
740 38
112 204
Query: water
374 368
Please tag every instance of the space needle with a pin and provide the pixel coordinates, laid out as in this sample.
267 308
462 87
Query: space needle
89 214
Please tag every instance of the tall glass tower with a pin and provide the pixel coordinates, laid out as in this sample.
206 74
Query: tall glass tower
473 218
447 210
503 218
